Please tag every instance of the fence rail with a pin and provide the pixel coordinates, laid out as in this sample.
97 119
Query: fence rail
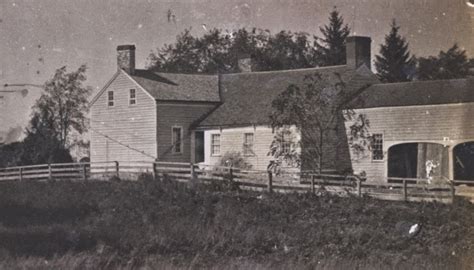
287 181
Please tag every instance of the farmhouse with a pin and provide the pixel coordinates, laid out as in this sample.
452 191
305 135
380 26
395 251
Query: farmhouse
419 129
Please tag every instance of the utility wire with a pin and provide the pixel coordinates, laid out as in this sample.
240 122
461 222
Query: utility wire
122 144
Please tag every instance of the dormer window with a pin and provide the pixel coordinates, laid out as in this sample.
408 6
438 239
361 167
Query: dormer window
110 98
133 97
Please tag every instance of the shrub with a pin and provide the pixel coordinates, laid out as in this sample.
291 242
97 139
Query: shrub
146 177
236 160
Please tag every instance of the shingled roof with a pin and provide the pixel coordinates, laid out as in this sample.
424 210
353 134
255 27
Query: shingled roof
247 97
416 93
178 87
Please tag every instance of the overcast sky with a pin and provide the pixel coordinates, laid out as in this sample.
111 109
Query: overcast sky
37 37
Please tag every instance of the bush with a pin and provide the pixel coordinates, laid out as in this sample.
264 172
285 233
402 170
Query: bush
236 160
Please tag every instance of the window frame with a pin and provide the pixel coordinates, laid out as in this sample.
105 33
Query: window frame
248 147
130 99
174 142
213 144
377 145
110 101
286 142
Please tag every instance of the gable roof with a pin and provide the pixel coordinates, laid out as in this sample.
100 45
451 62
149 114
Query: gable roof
247 97
178 87
416 93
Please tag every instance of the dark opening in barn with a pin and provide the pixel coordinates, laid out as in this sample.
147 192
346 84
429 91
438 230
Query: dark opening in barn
418 160
464 161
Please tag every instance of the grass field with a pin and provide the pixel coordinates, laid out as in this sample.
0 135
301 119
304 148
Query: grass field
163 225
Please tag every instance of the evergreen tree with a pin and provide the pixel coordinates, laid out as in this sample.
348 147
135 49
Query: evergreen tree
452 64
331 48
394 64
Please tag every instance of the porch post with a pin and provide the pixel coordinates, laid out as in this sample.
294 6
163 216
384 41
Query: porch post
450 162
193 147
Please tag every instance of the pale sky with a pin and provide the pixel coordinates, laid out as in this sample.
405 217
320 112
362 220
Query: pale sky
37 37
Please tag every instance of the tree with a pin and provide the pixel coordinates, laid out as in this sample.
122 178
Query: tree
452 64
62 108
58 114
316 110
218 52
331 48
394 64
42 144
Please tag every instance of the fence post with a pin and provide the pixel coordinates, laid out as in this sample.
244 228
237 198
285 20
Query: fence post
21 173
50 172
359 187
405 194
312 184
193 172
453 191
231 174
270 181
117 168
84 172
155 171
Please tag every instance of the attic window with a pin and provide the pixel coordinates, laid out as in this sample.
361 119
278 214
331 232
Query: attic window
110 98
133 97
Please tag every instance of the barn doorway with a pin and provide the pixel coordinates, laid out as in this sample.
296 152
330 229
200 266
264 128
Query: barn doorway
199 146
418 160
463 158
403 160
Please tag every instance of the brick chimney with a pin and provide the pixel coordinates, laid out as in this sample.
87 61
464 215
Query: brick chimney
244 62
126 58
358 51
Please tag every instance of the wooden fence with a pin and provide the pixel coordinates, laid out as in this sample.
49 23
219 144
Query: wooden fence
407 189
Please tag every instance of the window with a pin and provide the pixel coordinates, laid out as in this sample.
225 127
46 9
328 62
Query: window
377 146
110 98
248 144
177 139
286 141
2 100
133 97
215 144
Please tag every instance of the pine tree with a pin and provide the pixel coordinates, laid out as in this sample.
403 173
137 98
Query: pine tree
394 64
331 49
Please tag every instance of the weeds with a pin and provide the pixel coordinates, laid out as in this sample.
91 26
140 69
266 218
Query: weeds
168 225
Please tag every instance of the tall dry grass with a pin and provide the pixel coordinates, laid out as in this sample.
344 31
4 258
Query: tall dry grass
165 225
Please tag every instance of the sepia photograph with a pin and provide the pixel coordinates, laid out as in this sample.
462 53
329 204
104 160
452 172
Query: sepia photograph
237 134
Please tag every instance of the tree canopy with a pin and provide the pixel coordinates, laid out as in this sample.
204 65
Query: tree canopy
217 51
57 114
395 63
451 64
317 109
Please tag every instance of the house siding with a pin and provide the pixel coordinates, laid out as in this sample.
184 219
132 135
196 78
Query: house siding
232 140
131 129
447 124
175 114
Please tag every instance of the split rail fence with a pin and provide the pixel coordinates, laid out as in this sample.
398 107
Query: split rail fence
407 189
